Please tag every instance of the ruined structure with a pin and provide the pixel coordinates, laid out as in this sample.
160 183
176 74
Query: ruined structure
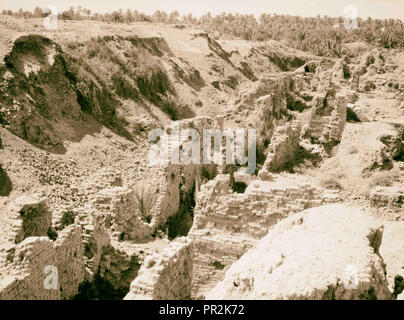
83 243
390 198
328 118
167 275
89 210
227 224
28 255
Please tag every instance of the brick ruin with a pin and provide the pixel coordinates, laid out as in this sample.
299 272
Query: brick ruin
85 243
387 198
283 147
328 118
28 251
167 275
103 238
227 224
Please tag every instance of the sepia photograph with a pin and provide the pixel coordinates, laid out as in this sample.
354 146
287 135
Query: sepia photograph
201 154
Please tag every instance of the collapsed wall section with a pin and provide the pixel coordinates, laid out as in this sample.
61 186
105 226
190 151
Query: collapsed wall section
328 118
283 147
31 217
387 198
41 269
166 276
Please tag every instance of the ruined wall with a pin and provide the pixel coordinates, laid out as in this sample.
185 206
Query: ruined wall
27 274
283 147
328 118
118 205
26 249
329 252
227 224
387 198
95 238
166 276
31 217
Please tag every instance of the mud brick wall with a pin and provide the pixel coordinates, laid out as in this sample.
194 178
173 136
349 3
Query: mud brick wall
212 254
26 280
338 118
227 224
30 216
119 210
118 205
94 238
328 118
165 276
390 198
283 147
323 80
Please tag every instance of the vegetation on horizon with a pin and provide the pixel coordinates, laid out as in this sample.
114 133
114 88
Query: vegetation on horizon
321 35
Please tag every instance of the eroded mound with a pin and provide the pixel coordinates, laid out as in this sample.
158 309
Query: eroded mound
329 252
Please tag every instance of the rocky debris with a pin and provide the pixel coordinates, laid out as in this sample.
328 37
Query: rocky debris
166 276
329 252
331 195
370 146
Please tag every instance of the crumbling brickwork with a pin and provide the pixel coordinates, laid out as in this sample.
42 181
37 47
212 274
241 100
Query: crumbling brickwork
95 237
166 276
390 198
227 224
283 147
35 217
27 277
328 118
118 205
120 209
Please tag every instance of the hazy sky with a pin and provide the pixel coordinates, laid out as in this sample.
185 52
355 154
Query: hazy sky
366 8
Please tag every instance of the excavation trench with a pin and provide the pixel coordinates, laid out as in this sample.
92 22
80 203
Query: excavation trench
118 269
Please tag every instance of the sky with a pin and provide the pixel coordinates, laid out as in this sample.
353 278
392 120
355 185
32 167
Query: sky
333 8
